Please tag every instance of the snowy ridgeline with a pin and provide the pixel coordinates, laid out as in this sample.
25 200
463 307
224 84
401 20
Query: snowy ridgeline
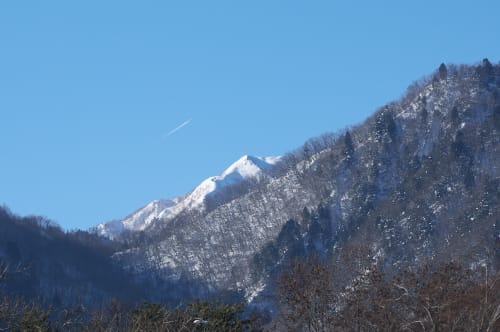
245 169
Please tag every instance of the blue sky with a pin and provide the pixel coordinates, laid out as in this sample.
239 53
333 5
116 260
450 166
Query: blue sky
91 92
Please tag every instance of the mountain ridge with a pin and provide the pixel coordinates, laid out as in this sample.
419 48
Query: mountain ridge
417 182
358 179
244 169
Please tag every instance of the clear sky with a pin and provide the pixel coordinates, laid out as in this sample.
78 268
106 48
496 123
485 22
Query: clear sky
107 105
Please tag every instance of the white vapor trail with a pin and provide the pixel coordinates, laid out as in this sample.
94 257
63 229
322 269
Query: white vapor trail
179 127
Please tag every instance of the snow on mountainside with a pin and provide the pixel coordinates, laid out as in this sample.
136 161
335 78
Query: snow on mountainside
138 220
247 167
416 181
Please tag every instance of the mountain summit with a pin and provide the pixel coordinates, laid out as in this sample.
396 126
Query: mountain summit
247 168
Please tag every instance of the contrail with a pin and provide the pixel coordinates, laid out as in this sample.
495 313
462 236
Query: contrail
179 127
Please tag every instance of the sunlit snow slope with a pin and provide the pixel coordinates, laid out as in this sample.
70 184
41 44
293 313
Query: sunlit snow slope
247 167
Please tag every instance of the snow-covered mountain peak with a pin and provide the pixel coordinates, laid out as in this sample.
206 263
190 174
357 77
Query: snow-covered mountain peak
246 168
138 220
143 217
250 166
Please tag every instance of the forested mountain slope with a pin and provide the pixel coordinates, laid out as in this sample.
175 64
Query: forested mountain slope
417 181
38 260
